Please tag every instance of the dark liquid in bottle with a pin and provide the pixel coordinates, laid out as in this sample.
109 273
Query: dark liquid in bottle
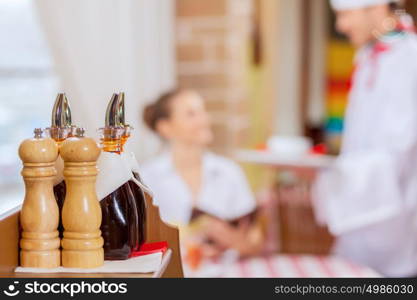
123 219
141 208
59 192
119 226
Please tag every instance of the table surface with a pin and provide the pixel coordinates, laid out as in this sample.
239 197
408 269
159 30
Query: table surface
288 266
78 275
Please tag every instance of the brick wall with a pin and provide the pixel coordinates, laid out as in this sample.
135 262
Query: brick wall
213 38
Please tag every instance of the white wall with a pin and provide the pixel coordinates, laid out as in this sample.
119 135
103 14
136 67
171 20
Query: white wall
316 110
288 115
289 68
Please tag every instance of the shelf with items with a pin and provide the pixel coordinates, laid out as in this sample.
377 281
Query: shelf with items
157 230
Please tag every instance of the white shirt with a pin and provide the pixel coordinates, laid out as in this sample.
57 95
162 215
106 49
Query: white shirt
224 193
369 197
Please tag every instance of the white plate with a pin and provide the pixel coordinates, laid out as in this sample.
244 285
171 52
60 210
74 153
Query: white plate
273 159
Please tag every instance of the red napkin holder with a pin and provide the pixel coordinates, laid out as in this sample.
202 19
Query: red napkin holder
149 248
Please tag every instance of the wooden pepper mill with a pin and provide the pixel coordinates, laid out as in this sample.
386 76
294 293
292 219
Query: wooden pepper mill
82 244
39 215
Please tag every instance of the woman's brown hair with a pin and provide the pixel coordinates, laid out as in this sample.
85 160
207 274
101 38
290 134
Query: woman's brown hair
160 109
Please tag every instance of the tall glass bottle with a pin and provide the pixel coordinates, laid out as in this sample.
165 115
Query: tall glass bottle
61 129
119 225
138 193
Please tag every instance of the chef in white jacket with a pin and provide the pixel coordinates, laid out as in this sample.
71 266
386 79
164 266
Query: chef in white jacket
368 198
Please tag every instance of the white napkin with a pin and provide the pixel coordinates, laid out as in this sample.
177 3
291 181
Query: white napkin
141 264
113 172
131 161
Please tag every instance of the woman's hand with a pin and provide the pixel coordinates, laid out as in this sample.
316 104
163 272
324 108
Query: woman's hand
222 234
211 251
244 238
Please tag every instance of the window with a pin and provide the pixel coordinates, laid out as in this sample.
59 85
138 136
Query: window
27 90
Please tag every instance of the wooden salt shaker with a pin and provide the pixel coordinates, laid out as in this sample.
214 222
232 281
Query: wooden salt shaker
82 244
39 215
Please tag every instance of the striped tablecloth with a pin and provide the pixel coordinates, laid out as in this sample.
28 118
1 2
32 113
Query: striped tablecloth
282 266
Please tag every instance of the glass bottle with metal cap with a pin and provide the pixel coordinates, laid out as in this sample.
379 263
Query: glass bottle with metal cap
119 225
138 193
61 129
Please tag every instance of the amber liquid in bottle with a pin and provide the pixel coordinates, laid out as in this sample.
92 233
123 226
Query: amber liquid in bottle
119 225
59 192
138 195
141 208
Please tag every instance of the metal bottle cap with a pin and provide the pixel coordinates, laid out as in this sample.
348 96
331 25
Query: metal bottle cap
80 132
112 112
121 114
38 133
61 112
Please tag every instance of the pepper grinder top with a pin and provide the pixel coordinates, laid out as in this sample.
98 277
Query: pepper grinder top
38 149
80 148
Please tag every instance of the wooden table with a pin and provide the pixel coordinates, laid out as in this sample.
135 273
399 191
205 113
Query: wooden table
291 212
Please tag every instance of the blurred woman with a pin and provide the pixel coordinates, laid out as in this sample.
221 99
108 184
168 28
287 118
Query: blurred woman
188 180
